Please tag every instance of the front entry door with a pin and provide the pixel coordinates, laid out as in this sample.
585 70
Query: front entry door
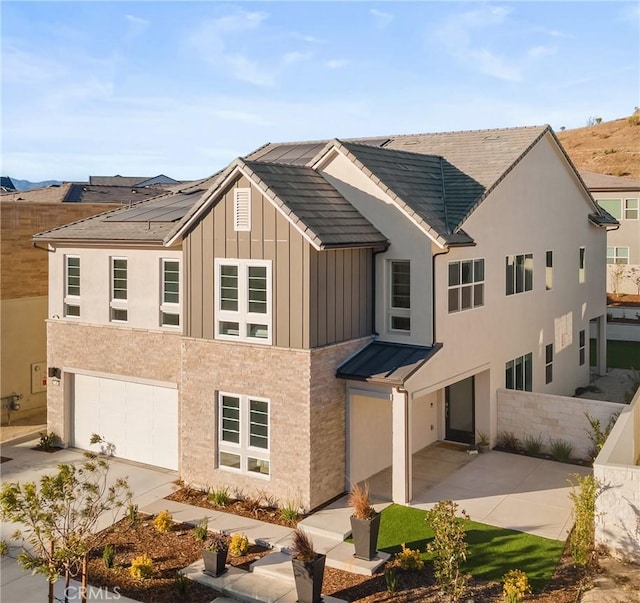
460 420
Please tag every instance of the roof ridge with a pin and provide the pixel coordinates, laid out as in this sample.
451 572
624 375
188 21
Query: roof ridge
391 150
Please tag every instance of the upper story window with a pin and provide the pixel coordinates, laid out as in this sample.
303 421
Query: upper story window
548 363
243 292
519 373
242 209
72 286
400 301
581 265
466 285
519 273
617 255
548 274
631 209
613 206
170 302
119 293
582 341
243 434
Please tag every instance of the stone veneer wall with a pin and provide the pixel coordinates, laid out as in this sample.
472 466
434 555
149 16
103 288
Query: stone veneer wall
552 417
108 350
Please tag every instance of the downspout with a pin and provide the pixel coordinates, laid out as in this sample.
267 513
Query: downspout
433 292
375 290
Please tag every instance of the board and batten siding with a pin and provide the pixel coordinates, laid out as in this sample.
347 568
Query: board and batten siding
318 297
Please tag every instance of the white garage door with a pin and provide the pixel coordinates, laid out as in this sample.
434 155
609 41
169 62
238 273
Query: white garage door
140 420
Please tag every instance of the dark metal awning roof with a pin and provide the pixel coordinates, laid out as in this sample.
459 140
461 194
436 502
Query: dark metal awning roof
390 363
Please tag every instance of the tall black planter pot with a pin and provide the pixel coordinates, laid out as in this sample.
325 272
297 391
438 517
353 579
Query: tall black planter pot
365 536
308 576
215 562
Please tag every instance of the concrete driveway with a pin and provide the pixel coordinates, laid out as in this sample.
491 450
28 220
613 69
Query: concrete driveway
148 484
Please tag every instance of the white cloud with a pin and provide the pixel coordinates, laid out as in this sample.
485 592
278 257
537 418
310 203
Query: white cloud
336 63
136 20
541 51
381 18
296 57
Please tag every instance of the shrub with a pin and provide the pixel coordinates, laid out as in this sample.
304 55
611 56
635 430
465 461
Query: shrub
634 378
634 120
108 556
584 491
4 548
181 586
219 541
239 545
532 445
141 567
47 441
360 502
201 530
220 496
561 450
515 585
289 511
597 435
391 578
508 441
163 521
132 514
302 546
449 547
409 559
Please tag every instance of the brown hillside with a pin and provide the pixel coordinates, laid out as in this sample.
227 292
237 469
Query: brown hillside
611 147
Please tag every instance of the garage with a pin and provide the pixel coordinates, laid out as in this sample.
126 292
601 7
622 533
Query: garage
140 420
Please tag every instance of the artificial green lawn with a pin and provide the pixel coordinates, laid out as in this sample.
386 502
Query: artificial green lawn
620 354
492 551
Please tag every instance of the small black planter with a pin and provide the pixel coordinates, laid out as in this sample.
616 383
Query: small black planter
215 562
308 576
365 536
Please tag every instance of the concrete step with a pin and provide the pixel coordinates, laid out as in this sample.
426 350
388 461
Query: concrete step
275 565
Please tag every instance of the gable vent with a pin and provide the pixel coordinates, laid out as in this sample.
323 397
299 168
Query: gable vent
242 209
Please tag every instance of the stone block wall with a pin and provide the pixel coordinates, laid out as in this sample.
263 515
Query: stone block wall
552 417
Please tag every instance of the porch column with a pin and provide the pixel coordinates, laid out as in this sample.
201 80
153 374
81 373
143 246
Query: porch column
400 448
602 345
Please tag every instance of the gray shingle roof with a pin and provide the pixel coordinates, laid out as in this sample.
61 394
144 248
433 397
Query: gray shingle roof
602 182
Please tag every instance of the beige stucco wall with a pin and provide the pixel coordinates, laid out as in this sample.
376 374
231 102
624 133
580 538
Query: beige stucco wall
426 423
24 343
144 284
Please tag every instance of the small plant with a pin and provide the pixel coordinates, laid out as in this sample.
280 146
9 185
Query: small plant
132 514
239 545
360 502
48 441
141 567
634 120
302 546
449 547
220 496
109 556
508 441
532 445
391 578
409 559
181 586
289 511
219 541
163 521
584 491
482 439
201 530
4 548
597 435
561 450
515 586
634 377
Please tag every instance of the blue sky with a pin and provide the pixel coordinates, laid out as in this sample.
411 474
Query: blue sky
182 88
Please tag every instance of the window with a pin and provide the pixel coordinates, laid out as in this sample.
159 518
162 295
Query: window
400 303
72 286
581 270
631 209
548 274
617 255
466 285
170 302
613 206
119 312
519 373
243 434
242 209
244 300
581 347
548 363
519 273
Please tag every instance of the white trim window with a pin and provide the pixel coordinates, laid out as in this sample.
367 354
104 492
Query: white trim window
72 286
466 285
243 434
519 373
548 273
242 209
170 298
119 290
631 209
582 274
400 296
243 300
519 273
617 255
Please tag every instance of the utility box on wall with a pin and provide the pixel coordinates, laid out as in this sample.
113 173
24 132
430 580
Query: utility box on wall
38 377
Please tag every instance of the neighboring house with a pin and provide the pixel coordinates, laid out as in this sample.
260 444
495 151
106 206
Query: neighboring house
621 198
317 312
132 181
6 184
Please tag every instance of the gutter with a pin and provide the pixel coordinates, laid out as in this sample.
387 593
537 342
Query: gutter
433 293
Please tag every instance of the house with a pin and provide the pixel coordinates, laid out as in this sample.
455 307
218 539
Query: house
132 181
319 311
6 184
621 198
